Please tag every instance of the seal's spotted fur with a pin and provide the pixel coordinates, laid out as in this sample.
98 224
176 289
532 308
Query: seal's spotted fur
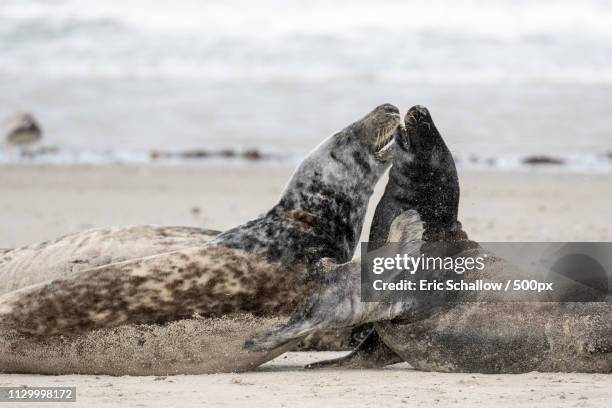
66 256
255 268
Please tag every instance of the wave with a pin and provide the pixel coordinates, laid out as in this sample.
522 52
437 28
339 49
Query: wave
273 18
440 41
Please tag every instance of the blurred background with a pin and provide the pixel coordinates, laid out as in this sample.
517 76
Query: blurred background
114 80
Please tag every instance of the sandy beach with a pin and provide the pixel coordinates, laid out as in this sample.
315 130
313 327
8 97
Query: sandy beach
44 202
40 203
195 113
281 383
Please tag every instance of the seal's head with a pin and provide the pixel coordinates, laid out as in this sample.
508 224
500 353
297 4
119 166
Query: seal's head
333 184
423 177
363 149
422 145
355 157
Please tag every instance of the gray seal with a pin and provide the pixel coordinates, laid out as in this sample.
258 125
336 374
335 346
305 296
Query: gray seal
252 273
67 256
430 332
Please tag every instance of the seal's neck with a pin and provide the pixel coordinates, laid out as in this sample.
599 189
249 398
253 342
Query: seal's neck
329 194
428 185
333 214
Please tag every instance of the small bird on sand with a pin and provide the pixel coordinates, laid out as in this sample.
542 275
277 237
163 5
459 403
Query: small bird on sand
23 129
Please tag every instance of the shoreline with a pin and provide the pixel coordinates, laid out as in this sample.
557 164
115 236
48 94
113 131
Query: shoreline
573 163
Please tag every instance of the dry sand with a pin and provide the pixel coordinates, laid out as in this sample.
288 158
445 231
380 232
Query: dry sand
39 203
281 383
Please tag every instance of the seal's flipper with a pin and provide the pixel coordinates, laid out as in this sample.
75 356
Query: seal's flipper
578 275
335 301
371 353
406 228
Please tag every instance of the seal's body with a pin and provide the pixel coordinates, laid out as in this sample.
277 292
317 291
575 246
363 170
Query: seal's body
180 347
66 256
507 338
248 273
451 331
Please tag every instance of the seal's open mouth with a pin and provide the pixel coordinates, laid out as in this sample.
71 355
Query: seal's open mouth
383 145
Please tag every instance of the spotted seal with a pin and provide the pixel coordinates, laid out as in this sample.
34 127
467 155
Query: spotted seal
252 273
474 332
68 255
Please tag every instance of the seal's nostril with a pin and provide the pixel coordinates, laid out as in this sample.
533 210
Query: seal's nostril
416 114
420 108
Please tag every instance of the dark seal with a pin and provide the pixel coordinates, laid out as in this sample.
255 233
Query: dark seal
475 334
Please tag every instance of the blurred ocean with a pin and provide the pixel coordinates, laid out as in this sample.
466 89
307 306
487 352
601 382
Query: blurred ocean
118 78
